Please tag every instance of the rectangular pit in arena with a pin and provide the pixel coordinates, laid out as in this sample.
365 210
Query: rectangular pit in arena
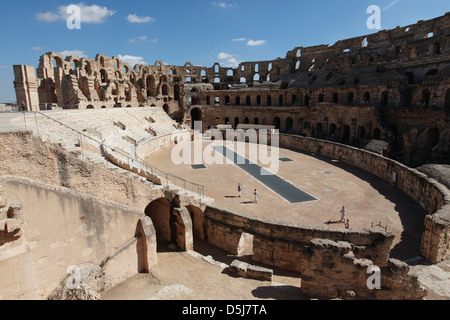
278 185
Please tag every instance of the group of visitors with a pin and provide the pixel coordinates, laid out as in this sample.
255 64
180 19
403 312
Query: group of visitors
255 193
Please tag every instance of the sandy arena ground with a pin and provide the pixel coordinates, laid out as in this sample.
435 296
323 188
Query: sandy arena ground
367 198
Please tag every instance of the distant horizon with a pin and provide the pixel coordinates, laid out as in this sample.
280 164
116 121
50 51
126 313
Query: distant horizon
202 32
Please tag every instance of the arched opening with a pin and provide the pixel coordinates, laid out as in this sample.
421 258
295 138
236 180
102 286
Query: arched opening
196 115
160 213
346 134
236 122
293 100
321 98
256 121
90 107
258 100
425 99
151 86
319 130
350 97
332 130
103 76
392 129
248 100
307 100
238 100
197 218
377 134
289 125
269 100
227 100
277 123
57 62
335 98
280 100
366 97
246 120
165 90
409 78
176 92
432 139
361 132
384 99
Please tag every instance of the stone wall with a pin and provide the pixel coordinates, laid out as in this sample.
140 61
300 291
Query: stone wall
428 193
333 263
64 228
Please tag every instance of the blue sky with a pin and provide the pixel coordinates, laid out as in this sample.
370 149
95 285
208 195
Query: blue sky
201 32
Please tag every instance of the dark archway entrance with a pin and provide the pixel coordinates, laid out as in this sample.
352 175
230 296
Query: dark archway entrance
160 212
196 115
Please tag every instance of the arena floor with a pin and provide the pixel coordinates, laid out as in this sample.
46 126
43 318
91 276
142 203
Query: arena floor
332 184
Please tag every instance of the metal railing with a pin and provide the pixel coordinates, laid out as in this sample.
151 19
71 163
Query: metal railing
156 174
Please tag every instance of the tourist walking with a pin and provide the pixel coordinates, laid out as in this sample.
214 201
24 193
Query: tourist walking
240 190
256 195
343 214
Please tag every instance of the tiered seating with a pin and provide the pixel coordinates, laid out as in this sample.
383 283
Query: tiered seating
121 129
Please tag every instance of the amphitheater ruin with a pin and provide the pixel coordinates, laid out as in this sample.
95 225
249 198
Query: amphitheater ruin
87 178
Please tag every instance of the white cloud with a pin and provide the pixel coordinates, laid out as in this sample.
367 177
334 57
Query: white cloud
254 43
3 67
89 14
134 18
132 60
37 49
223 4
239 39
143 39
228 60
73 53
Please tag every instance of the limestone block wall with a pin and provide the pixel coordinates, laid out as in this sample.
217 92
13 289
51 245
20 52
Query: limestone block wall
331 270
428 193
279 244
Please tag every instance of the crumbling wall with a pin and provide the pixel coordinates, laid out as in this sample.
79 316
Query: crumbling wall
68 228
331 270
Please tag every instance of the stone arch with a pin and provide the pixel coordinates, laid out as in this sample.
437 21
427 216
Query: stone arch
425 98
350 98
377 134
103 76
332 131
159 211
289 125
57 62
198 221
361 132
196 115
346 134
165 90
335 98
319 130
151 86
277 123
236 122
